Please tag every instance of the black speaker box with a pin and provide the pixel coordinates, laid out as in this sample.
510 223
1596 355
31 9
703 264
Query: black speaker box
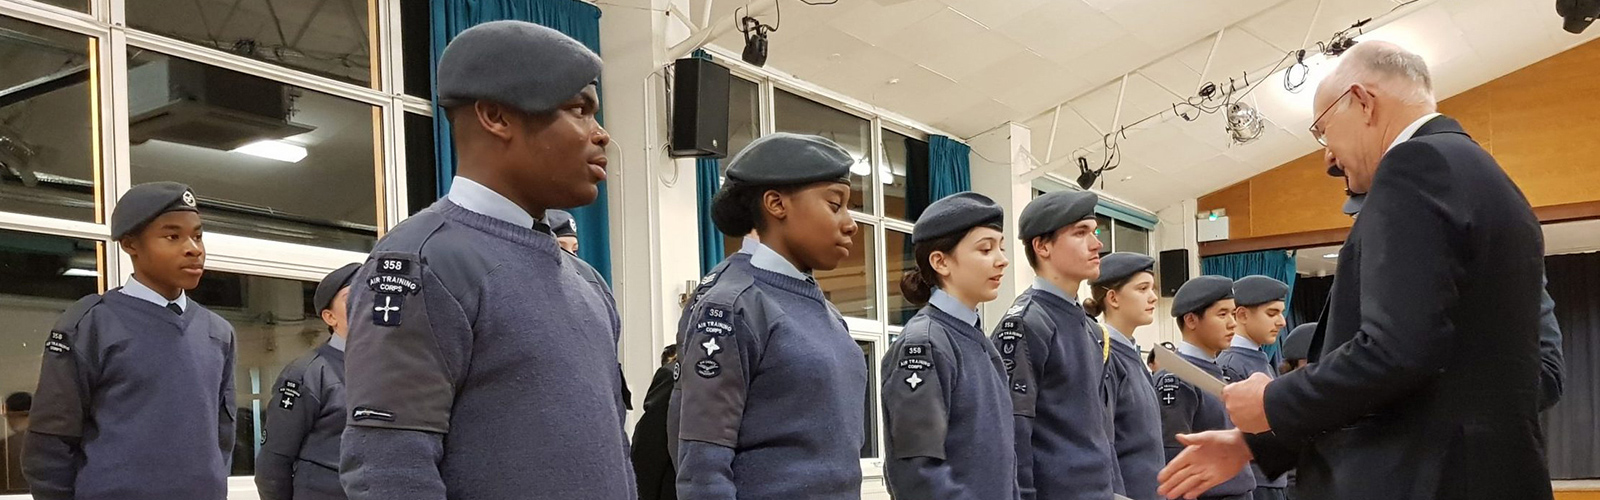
1174 271
699 109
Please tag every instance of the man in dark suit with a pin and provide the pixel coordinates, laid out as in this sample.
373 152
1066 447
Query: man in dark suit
651 463
1425 375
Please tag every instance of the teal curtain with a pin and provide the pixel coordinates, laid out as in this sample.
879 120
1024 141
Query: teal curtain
949 167
708 179
1276 264
578 20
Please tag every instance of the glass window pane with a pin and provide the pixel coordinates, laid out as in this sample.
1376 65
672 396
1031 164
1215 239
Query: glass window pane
852 287
869 449
422 177
273 324
328 38
744 115
314 180
48 128
77 5
1131 238
1103 231
900 261
416 49
799 115
905 176
40 276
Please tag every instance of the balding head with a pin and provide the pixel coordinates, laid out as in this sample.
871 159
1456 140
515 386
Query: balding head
1377 91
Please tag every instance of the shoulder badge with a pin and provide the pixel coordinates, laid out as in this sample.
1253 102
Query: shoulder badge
1167 389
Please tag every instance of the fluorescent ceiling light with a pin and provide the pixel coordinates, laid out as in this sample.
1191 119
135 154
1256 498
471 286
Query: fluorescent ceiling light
80 273
1331 256
274 150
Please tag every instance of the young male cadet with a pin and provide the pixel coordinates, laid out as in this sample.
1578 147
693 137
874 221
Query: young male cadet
1056 357
1204 310
1259 302
135 398
565 227
299 458
482 359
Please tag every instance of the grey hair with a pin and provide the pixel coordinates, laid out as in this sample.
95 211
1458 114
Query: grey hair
1384 64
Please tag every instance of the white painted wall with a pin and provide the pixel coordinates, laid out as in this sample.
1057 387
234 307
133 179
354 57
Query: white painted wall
1176 230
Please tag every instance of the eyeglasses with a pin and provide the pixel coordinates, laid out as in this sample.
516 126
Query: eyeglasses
1317 133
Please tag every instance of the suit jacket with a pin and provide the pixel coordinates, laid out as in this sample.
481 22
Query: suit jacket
651 463
1425 381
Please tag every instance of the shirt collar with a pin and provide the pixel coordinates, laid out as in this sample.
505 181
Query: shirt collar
133 288
1411 130
337 342
1045 285
1119 337
749 245
1188 349
953 307
1245 342
476 197
764 258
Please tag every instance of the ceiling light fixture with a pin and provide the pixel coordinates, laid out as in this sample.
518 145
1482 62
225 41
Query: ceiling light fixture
274 150
1331 256
1244 122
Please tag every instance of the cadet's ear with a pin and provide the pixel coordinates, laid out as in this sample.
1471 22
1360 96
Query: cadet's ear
1191 321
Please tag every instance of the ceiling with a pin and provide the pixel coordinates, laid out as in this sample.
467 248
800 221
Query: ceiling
968 66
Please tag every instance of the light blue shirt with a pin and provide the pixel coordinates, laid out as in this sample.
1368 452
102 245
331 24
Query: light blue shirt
1190 349
337 342
1045 285
953 307
133 288
748 245
477 198
764 258
1241 340
1119 337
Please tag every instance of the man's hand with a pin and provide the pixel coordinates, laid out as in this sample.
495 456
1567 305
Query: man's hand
1212 458
1247 403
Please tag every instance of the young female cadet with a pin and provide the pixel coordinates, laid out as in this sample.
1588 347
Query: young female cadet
1056 358
945 397
772 390
1126 294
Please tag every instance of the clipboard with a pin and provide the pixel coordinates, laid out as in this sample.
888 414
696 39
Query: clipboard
1188 372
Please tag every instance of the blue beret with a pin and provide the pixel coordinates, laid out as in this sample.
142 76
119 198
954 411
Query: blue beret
520 64
1201 293
561 223
1252 291
783 158
331 284
956 214
147 201
1297 345
1053 211
1120 265
1352 205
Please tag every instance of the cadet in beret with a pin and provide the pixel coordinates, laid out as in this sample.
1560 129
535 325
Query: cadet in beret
1204 311
135 398
1056 357
946 404
1125 293
771 388
482 358
299 457
1297 347
1259 305
565 228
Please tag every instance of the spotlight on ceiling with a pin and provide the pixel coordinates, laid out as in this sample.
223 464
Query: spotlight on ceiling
1086 175
1577 14
1244 122
755 41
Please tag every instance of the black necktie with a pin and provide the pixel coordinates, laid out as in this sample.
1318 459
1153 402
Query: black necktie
173 306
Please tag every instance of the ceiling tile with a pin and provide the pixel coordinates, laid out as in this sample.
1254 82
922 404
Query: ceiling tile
1063 30
876 22
977 118
1167 24
950 43
993 13
856 72
1026 82
1172 75
1283 26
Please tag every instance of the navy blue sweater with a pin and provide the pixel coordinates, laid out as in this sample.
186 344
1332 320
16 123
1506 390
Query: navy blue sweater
1058 370
948 411
1239 363
771 393
1187 410
1138 422
482 365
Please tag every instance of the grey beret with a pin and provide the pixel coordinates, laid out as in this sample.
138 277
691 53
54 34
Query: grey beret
956 214
1201 293
331 284
1252 291
784 158
147 201
561 223
1352 205
1053 211
1120 265
517 63
1297 345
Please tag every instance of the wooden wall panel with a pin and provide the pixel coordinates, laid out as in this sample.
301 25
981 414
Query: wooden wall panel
1236 199
1296 198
